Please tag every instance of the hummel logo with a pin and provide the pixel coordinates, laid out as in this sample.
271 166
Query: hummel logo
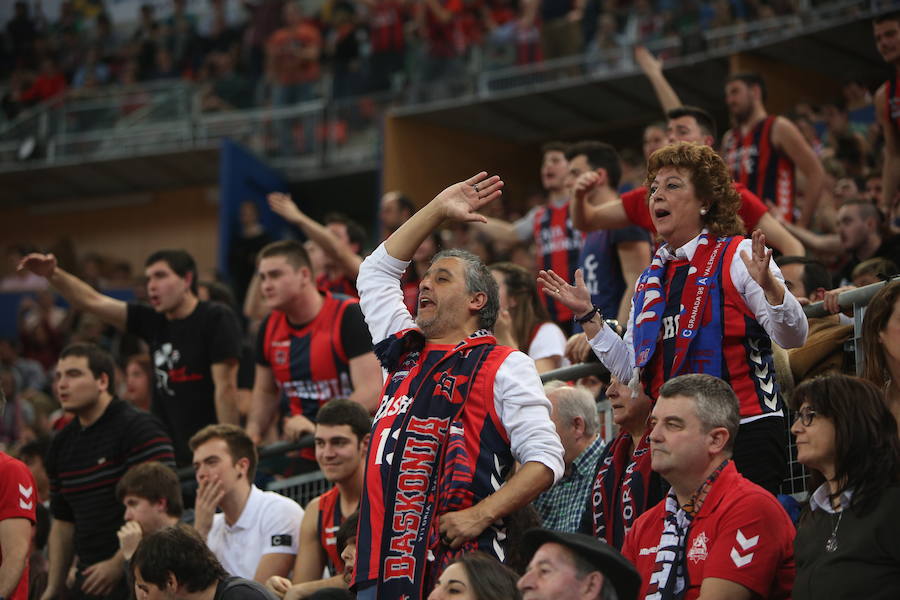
740 561
737 558
26 491
744 542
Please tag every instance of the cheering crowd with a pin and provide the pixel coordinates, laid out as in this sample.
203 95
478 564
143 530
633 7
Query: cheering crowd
415 372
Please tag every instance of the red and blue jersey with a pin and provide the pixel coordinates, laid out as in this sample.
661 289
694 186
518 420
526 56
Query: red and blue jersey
310 362
437 446
330 519
892 100
755 162
343 285
738 349
557 247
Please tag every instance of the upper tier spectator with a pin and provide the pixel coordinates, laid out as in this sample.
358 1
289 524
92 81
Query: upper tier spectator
763 151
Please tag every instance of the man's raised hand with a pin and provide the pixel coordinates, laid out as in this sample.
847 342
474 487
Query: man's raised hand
461 201
281 204
39 264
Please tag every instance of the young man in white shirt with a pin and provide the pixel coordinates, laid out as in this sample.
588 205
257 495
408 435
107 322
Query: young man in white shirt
255 534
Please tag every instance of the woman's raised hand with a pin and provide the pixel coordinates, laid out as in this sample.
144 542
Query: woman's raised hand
576 297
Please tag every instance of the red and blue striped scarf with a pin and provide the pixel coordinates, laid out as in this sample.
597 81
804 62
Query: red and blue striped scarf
622 488
413 464
701 284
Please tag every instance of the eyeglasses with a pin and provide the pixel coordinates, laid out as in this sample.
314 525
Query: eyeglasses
805 416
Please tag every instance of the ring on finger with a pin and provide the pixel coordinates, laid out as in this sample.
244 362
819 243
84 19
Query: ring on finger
476 188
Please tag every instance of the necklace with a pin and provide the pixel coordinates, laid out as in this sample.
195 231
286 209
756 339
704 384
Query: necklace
831 544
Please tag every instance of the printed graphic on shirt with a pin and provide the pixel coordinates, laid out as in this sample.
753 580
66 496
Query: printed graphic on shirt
166 359
699 548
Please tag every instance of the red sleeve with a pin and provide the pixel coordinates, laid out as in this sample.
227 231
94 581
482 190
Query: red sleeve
752 208
753 544
635 205
18 494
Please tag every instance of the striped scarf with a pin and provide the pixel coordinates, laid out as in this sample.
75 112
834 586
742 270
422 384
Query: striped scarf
650 303
668 580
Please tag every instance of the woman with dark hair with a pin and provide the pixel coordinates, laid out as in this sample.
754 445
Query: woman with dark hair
848 544
139 379
710 302
530 327
476 576
881 344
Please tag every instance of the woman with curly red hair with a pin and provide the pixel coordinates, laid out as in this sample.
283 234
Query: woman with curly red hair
710 302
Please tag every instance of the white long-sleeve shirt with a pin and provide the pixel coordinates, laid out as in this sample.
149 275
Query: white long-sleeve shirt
519 397
786 324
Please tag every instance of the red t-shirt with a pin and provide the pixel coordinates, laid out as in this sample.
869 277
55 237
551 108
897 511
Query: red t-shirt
635 204
741 534
18 497
283 48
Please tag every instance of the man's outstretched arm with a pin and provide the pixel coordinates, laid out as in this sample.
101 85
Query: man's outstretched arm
346 258
78 293
652 68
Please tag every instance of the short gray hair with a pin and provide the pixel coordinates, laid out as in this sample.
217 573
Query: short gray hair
478 280
716 403
575 401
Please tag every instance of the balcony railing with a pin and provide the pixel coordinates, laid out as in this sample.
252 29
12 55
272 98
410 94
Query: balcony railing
164 117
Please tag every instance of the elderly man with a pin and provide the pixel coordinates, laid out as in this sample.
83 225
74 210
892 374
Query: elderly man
577 422
716 534
457 411
573 566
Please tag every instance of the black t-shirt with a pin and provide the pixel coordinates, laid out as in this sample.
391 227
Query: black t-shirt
238 588
183 352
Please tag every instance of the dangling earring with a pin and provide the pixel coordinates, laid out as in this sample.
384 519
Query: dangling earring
703 211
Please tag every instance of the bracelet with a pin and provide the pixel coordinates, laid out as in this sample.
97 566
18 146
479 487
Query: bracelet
587 317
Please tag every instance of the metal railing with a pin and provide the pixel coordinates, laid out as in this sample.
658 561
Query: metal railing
165 116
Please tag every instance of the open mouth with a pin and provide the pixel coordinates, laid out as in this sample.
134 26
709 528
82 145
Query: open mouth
661 213
425 303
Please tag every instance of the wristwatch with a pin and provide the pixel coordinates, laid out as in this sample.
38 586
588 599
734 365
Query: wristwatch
588 316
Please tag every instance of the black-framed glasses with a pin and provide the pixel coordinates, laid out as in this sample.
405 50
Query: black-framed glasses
805 415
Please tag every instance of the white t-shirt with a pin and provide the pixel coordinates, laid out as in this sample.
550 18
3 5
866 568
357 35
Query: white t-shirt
269 524
549 341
